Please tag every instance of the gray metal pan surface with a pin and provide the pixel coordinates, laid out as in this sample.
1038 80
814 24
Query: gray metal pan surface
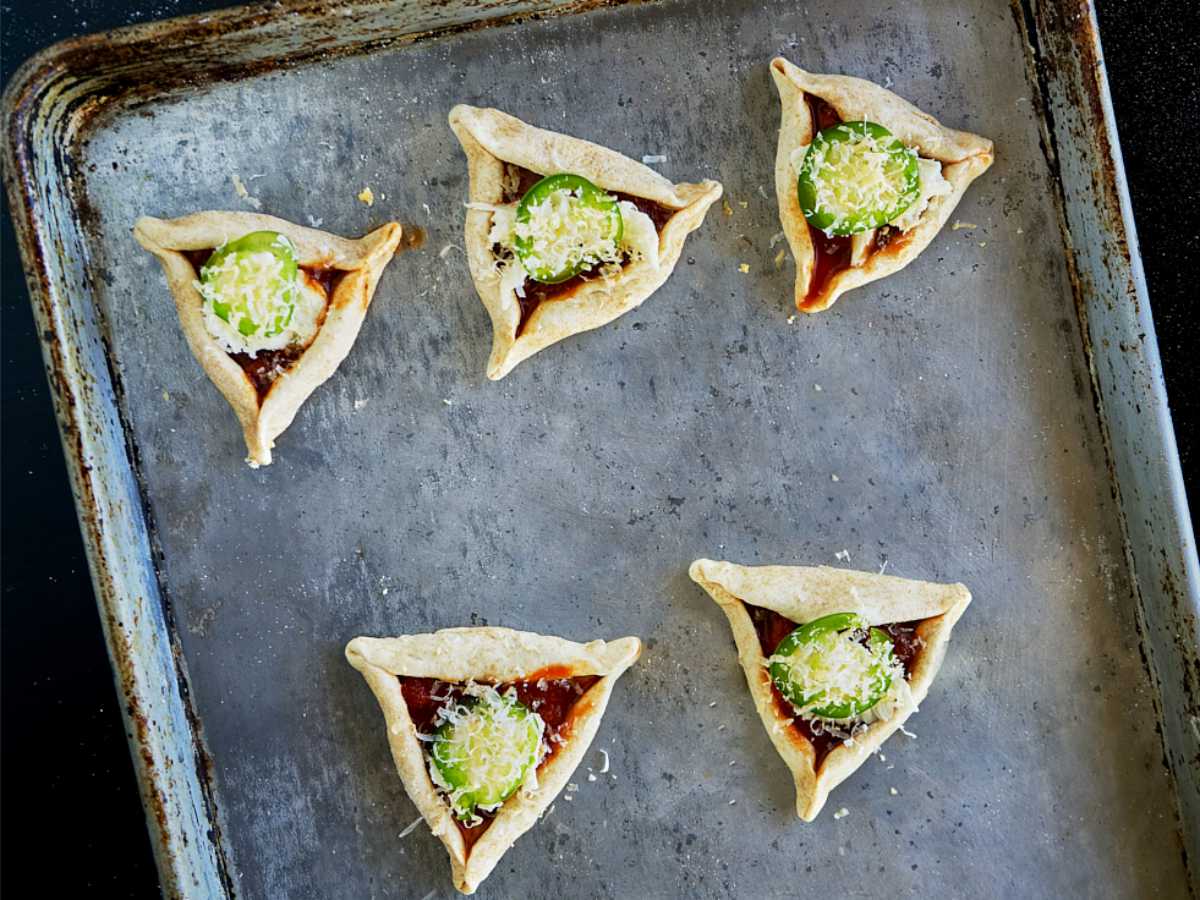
953 422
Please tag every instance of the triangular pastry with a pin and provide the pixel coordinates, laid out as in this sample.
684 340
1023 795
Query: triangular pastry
900 209
310 289
897 642
486 726
542 281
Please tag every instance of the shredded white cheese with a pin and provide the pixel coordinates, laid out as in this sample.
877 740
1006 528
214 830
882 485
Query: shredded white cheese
875 189
833 669
869 180
639 243
239 188
860 247
932 185
412 827
561 232
488 742
248 284
639 237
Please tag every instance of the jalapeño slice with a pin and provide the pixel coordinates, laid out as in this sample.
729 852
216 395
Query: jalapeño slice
857 176
565 225
485 749
251 283
825 671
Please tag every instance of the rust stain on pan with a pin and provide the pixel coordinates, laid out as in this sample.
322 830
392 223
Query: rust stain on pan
199 50
1071 41
1066 68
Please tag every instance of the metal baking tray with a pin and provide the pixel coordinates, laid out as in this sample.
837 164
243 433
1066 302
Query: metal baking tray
994 414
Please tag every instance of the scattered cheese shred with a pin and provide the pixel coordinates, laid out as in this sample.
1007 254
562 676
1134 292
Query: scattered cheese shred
744 268
841 813
958 226
488 741
412 827
367 196
240 189
833 668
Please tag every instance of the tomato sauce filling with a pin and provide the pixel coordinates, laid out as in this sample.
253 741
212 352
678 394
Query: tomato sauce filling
517 182
267 365
551 693
772 628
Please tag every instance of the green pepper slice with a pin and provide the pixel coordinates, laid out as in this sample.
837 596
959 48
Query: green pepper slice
484 753
857 176
799 666
549 251
232 274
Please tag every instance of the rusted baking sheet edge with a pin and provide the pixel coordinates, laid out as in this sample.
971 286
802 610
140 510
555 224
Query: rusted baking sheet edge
50 107
1111 296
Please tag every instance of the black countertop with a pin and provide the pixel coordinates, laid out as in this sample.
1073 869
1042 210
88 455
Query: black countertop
71 817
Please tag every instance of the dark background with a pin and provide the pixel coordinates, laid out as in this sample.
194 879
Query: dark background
71 820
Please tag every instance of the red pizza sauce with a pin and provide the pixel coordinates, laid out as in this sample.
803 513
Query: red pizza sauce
772 628
551 693
267 365
518 181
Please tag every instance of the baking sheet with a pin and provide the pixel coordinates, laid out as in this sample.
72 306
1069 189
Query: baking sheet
941 422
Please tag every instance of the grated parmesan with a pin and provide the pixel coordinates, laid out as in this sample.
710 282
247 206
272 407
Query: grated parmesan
487 744
248 284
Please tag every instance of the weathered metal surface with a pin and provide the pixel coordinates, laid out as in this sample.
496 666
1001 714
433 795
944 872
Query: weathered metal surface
1128 381
954 403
